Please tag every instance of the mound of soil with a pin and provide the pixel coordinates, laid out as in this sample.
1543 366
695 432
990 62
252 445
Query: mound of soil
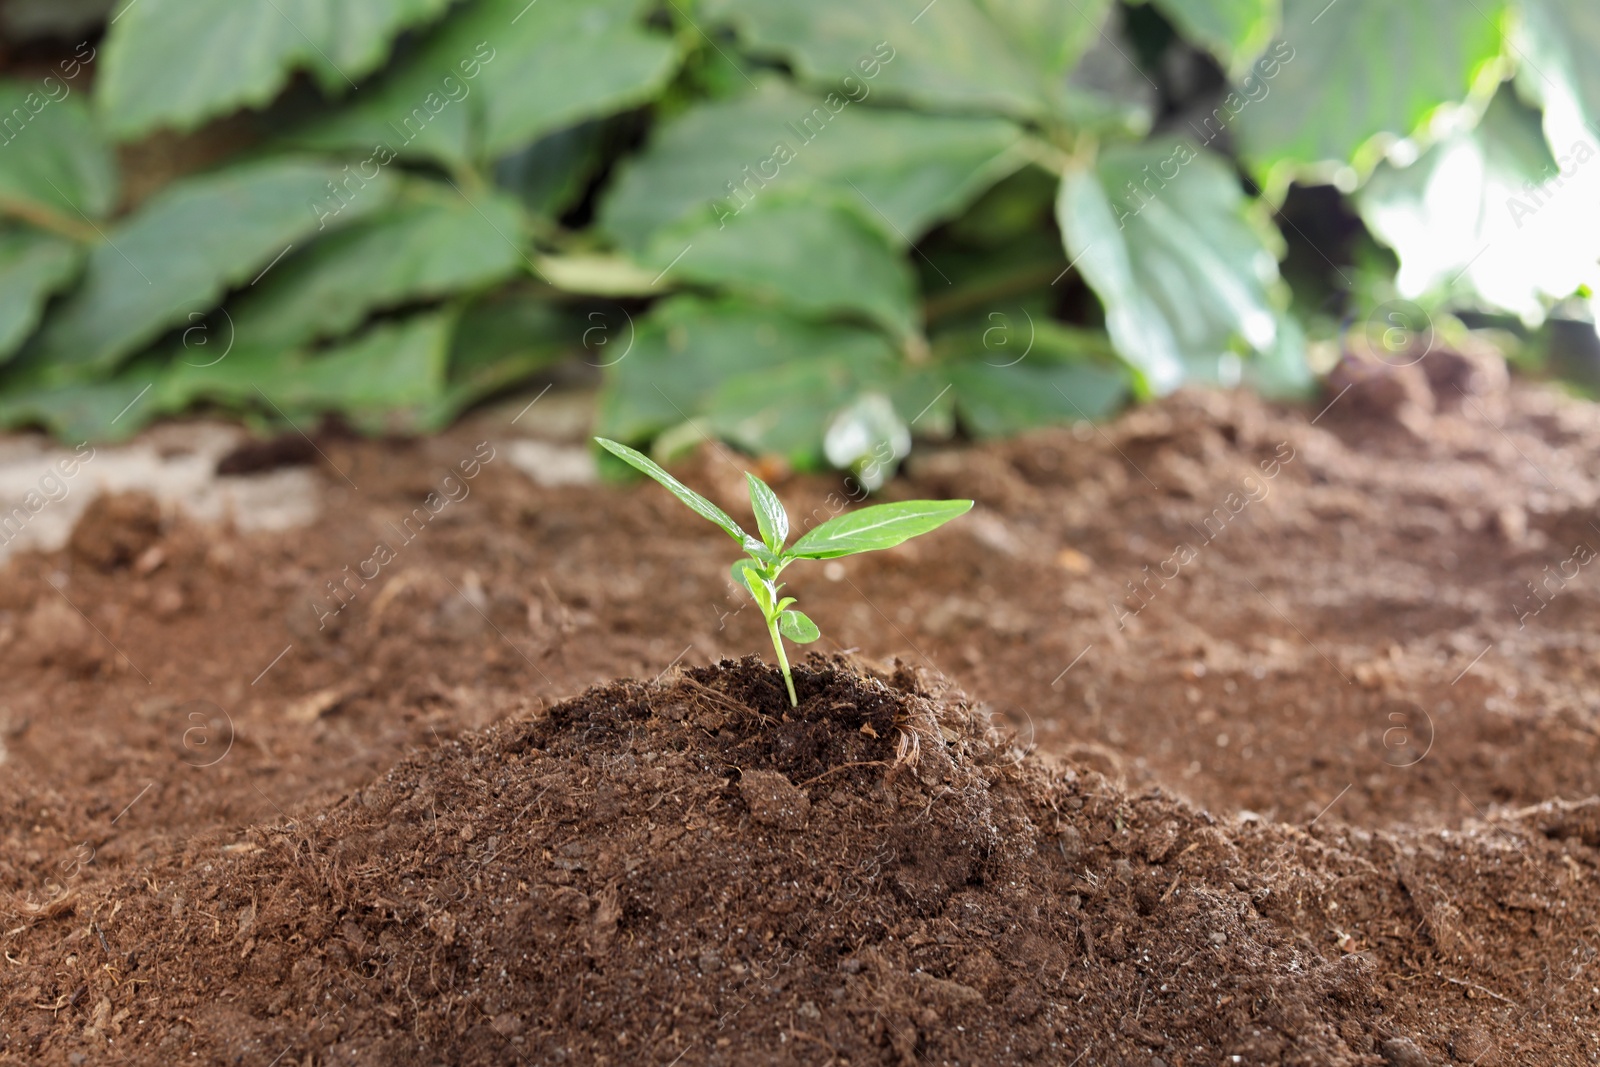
691 870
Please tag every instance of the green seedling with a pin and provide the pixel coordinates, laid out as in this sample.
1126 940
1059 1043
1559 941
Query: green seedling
863 530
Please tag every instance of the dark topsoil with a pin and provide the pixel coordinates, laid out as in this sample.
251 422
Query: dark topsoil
1321 794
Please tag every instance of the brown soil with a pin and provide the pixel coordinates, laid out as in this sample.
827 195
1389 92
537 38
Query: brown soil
1319 791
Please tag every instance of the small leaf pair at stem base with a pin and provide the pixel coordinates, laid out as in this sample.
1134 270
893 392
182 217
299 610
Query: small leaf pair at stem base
866 530
796 627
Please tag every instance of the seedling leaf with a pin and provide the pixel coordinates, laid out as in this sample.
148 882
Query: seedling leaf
881 526
760 551
876 527
770 516
697 503
761 589
796 627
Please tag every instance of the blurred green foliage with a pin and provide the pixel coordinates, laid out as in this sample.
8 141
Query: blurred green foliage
811 230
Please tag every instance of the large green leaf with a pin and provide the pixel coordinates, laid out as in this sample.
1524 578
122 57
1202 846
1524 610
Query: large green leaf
551 174
1351 70
814 255
784 411
54 169
877 527
1491 213
499 341
177 254
1108 95
502 74
1281 372
1052 33
995 55
1558 42
995 401
1161 236
386 379
114 409
179 62
32 266
1023 332
905 170
382 380
427 107
238 381
566 62
689 348
432 243
1235 31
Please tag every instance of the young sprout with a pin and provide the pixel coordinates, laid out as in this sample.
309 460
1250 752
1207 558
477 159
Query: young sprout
863 530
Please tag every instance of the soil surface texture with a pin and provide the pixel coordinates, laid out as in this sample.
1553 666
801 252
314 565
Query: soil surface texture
1224 733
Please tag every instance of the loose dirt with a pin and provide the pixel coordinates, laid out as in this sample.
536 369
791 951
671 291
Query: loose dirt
1225 733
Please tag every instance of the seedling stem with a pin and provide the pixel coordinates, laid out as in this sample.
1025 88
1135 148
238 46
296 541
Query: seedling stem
863 530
